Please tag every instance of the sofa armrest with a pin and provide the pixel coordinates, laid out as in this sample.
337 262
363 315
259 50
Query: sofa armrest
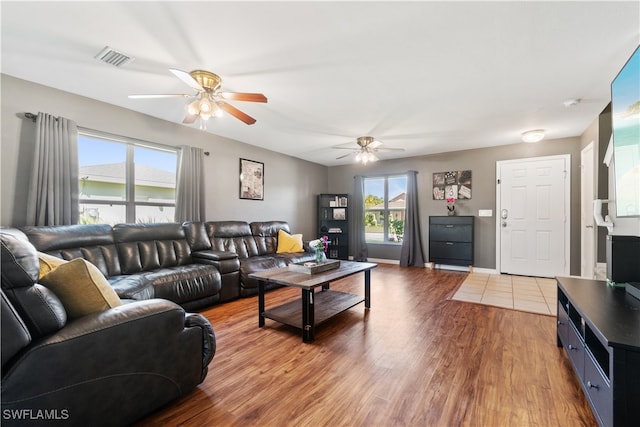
211 255
225 262
196 320
306 247
105 365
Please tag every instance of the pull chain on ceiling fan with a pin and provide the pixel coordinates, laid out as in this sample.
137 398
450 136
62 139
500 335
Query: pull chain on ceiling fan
368 146
209 100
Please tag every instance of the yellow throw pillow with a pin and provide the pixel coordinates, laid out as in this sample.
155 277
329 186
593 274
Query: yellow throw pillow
289 243
48 263
81 287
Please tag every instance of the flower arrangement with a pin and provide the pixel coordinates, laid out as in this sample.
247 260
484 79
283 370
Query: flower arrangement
322 244
451 205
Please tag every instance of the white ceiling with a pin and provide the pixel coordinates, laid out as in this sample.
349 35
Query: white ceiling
429 77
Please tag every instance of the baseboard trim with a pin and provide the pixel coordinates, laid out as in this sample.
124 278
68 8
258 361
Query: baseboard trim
431 265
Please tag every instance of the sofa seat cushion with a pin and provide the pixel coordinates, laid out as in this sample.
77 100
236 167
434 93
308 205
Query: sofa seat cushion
132 286
297 257
255 264
184 283
81 287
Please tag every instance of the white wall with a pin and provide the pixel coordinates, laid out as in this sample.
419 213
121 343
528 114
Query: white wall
291 184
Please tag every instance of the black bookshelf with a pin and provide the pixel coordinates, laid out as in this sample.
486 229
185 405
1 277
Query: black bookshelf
333 222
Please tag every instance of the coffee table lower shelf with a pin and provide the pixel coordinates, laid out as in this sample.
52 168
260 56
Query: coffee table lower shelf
327 304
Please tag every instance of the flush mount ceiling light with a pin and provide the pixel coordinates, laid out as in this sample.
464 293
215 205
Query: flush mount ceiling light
535 135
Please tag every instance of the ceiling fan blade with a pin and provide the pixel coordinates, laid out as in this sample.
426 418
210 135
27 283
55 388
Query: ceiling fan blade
186 78
190 118
160 95
237 113
345 148
374 144
248 97
388 149
345 155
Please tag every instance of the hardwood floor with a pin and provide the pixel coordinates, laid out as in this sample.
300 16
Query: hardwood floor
415 358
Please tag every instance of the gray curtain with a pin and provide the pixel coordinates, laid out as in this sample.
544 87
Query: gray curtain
360 250
190 186
411 253
53 190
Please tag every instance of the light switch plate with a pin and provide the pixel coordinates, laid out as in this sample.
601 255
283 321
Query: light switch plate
485 212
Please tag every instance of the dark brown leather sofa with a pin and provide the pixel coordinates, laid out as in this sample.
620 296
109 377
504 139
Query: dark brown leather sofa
238 248
109 368
141 261
195 264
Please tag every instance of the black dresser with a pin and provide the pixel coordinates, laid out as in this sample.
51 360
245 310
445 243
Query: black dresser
451 240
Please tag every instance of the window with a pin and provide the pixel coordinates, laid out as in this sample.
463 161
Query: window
124 180
384 208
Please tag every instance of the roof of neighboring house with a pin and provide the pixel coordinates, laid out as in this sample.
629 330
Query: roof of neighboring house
397 203
115 173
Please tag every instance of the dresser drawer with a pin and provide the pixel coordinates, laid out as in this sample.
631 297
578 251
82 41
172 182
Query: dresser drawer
575 349
563 324
451 232
444 220
598 390
453 250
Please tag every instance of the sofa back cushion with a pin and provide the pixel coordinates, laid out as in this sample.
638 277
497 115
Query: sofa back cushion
93 242
39 308
146 247
197 237
15 335
266 235
232 236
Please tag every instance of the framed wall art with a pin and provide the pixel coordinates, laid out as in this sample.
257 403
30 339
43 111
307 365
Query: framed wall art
251 180
455 184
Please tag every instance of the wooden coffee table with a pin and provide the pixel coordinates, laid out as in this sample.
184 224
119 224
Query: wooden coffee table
314 307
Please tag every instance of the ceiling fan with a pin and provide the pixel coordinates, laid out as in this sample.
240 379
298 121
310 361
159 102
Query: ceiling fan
368 145
208 100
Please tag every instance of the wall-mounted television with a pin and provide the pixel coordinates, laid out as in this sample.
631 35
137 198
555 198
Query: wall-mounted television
625 106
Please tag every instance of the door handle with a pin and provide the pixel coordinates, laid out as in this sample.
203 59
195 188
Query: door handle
504 223
589 226
504 214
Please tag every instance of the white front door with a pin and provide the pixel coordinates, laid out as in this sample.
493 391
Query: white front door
587 229
533 216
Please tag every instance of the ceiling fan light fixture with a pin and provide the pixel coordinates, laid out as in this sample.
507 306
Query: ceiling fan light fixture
193 108
532 136
205 106
217 111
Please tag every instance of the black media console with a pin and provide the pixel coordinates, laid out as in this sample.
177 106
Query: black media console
599 327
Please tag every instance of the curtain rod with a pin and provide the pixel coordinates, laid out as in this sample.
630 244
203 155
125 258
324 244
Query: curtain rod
33 117
375 175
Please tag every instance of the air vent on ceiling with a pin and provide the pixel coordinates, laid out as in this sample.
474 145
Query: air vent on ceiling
113 57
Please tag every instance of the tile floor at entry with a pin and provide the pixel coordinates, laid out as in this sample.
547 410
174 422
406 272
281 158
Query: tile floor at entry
531 294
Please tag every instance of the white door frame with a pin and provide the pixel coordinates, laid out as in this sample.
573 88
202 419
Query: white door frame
567 201
587 226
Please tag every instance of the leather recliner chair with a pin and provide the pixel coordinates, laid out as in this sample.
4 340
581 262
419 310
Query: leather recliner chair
107 368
